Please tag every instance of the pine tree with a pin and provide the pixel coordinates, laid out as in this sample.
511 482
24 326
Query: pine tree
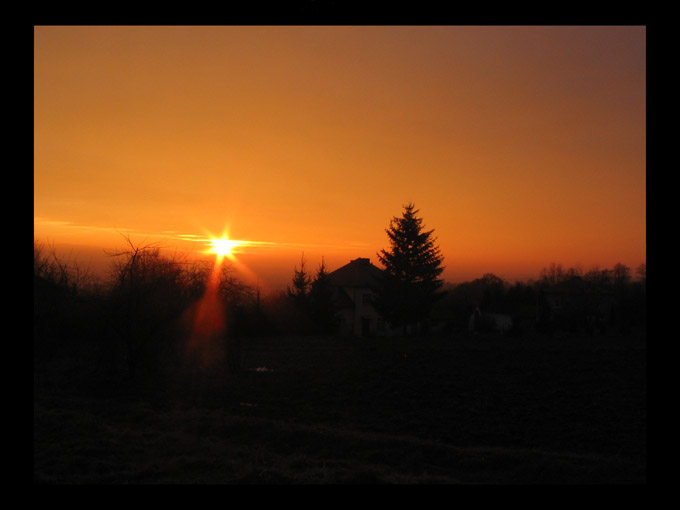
299 291
410 283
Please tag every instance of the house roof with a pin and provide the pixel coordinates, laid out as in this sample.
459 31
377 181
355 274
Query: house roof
358 273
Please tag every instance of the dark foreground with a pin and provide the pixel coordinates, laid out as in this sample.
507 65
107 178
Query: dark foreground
322 411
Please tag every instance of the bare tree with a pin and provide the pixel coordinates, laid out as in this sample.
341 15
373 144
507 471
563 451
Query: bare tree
552 274
599 277
148 292
64 272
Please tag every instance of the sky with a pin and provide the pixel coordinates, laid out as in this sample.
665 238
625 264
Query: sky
519 146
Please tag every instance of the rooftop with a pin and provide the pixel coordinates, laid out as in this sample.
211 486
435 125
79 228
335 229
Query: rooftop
358 273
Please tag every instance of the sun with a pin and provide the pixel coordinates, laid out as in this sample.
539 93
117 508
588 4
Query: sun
224 247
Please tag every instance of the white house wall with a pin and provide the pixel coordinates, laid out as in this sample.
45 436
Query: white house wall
363 309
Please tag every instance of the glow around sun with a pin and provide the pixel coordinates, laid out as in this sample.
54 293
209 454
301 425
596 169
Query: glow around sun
224 247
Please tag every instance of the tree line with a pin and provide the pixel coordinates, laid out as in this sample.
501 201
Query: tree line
412 296
137 320
560 300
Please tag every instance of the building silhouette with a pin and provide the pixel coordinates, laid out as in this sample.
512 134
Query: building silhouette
354 288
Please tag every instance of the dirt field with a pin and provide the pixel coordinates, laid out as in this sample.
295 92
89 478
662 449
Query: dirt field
329 410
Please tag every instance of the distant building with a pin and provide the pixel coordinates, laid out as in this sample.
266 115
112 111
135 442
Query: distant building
354 287
497 322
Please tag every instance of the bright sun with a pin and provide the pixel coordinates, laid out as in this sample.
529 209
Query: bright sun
224 247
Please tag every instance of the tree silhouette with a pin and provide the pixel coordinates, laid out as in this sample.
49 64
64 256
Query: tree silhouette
148 291
493 290
299 291
60 289
641 271
553 274
622 275
410 283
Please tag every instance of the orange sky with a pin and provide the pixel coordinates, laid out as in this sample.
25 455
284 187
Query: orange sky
521 146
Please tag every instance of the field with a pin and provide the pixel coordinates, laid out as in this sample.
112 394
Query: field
332 410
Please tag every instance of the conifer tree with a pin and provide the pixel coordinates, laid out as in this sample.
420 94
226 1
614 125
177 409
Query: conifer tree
410 283
299 291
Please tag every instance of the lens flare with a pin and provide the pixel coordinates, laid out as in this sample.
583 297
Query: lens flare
208 324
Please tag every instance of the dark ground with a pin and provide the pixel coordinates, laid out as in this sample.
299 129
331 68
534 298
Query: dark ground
330 410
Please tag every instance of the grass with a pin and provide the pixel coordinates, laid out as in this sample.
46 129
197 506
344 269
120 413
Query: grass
332 411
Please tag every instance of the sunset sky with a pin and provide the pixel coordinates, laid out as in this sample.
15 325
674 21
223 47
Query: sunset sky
520 146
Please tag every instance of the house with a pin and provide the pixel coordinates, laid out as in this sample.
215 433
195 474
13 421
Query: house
498 322
353 290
